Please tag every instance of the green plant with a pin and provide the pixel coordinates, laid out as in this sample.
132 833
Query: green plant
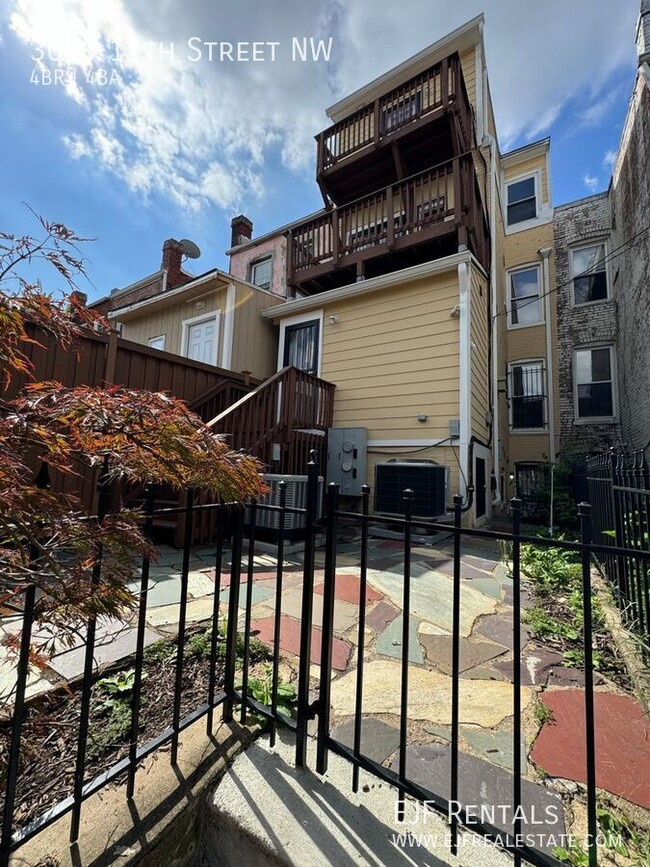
577 856
114 729
546 626
160 651
200 644
261 689
121 683
542 713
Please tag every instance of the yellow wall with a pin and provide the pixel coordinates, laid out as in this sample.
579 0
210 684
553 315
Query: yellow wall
168 320
468 65
393 355
255 340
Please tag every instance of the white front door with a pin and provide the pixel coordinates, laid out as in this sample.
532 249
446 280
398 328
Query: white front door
202 341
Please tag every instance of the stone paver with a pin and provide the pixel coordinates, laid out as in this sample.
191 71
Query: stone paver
495 747
484 703
622 743
168 615
571 677
36 682
472 652
535 666
488 586
499 628
347 588
71 663
431 598
258 594
484 672
467 570
345 614
379 615
481 783
389 643
480 562
290 640
378 739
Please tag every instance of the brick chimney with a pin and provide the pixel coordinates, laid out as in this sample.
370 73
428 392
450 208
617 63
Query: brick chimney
172 254
643 33
242 230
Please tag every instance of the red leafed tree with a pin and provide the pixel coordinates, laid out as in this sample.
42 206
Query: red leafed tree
45 537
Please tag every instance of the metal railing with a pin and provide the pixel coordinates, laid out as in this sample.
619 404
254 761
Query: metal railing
232 534
619 489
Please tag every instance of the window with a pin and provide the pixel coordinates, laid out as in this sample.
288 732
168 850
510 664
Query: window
594 383
527 397
589 274
261 272
521 200
525 305
157 342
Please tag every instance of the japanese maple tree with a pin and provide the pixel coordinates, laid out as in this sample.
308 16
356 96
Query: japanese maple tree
46 538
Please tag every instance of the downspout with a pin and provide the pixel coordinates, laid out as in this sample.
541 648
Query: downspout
550 379
494 336
464 371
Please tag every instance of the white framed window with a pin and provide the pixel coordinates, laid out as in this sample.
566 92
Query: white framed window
157 342
301 342
527 395
200 337
589 274
261 272
521 200
524 297
594 390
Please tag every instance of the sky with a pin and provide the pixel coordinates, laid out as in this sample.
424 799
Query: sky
125 124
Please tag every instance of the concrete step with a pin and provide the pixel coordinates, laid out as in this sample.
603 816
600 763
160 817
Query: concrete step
267 812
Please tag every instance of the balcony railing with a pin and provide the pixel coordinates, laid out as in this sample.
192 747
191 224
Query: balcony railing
434 89
424 206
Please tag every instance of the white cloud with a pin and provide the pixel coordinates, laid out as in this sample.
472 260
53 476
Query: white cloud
204 133
609 159
590 182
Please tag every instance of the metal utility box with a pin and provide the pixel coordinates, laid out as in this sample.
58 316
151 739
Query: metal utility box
346 459
428 480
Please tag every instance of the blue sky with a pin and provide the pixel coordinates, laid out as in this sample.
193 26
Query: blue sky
173 147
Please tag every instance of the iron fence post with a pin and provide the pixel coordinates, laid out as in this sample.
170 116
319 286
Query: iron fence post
139 650
404 691
515 505
361 637
584 512
311 516
104 490
233 615
327 627
455 670
282 487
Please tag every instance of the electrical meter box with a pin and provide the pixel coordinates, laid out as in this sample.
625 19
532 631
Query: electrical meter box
346 459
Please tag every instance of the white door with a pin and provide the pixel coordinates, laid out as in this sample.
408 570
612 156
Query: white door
202 341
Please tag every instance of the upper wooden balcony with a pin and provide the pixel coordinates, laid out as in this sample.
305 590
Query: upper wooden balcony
348 150
421 218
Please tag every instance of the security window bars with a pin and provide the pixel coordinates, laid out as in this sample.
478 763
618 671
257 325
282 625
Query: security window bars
527 396
525 307
594 383
522 201
261 273
589 274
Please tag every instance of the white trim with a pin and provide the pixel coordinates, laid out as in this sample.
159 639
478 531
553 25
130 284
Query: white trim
494 336
228 326
543 210
510 271
480 84
550 382
384 281
258 260
464 371
613 371
448 441
152 340
195 320
296 320
594 242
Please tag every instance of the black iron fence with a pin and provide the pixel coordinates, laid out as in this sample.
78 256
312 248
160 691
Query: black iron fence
235 534
619 490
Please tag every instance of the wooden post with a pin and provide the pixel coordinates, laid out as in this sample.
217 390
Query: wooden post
111 358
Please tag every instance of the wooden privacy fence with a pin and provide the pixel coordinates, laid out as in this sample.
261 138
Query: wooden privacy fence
105 359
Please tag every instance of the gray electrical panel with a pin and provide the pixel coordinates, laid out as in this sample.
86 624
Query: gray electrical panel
346 459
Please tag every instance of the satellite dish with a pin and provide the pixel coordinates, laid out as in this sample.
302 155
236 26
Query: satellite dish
190 248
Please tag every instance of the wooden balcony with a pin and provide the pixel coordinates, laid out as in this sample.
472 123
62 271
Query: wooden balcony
425 216
349 148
